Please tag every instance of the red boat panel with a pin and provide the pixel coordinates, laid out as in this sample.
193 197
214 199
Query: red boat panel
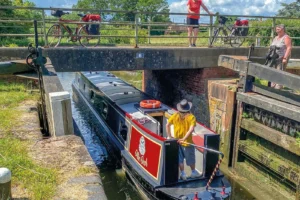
198 140
146 152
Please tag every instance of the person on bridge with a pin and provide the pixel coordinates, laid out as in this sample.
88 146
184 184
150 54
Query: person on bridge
184 123
193 20
283 42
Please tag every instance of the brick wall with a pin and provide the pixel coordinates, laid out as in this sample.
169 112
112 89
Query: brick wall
170 86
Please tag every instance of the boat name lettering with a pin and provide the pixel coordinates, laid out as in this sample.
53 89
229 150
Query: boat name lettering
141 158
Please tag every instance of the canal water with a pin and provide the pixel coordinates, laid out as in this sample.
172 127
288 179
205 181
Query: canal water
116 185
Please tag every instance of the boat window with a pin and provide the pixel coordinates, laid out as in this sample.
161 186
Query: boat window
104 110
123 132
78 80
92 94
83 86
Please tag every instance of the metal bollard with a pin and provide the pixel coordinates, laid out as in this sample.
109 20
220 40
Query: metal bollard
5 184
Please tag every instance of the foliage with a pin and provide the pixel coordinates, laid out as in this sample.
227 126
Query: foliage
39 182
245 115
11 27
290 10
121 31
143 6
131 77
263 28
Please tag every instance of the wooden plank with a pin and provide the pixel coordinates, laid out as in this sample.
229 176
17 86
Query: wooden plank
271 161
272 105
285 141
236 137
284 78
281 95
236 63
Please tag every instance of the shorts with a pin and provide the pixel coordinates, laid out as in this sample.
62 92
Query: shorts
277 64
187 153
192 21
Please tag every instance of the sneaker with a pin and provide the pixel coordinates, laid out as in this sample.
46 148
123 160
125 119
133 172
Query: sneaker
193 45
195 174
183 176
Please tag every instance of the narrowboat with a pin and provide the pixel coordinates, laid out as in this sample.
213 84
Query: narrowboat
138 132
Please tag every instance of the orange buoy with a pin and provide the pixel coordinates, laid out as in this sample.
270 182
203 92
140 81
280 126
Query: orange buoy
150 104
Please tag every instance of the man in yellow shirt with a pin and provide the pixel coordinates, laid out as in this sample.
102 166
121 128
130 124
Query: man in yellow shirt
184 123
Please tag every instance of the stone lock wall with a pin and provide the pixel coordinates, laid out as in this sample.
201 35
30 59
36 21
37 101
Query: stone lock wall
222 103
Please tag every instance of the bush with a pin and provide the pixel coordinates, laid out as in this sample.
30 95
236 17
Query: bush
266 31
121 31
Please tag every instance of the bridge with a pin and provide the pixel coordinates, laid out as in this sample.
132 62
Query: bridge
259 125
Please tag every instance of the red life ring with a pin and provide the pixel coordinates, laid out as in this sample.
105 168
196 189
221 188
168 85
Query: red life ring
150 104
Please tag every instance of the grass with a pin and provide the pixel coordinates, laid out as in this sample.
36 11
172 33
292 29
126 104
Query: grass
36 181
261 81
162 40
132 77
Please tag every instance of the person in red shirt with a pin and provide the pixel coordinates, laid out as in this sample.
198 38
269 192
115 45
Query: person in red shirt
193 20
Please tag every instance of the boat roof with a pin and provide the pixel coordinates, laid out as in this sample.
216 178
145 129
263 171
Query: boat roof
114 88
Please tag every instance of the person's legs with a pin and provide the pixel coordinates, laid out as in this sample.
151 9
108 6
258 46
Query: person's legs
279 66
190 159
190 30
180 162
195 31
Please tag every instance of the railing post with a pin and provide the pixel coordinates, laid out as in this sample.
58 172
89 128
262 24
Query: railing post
136 30
210 29
149 33
272 31
44 28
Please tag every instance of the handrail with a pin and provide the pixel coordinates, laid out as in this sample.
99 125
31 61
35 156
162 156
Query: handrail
136 28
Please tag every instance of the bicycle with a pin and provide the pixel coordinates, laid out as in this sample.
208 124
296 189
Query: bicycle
235 38
82 34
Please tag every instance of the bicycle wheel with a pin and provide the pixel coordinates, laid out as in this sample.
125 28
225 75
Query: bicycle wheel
236 40
86 39
221 37
54 35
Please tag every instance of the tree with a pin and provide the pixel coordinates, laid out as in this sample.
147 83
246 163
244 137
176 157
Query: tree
126 5
290 10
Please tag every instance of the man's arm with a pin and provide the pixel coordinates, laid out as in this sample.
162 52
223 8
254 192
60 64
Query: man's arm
205 8
168 128
288 43
190 131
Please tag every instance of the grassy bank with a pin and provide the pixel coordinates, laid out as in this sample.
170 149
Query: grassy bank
32 180
132 77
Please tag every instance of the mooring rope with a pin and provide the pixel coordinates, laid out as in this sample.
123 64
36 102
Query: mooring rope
214 172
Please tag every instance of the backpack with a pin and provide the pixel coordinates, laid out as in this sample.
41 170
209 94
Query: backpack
244 28
92 29
57 13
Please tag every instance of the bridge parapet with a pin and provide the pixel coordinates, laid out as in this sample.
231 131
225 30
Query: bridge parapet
124 58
